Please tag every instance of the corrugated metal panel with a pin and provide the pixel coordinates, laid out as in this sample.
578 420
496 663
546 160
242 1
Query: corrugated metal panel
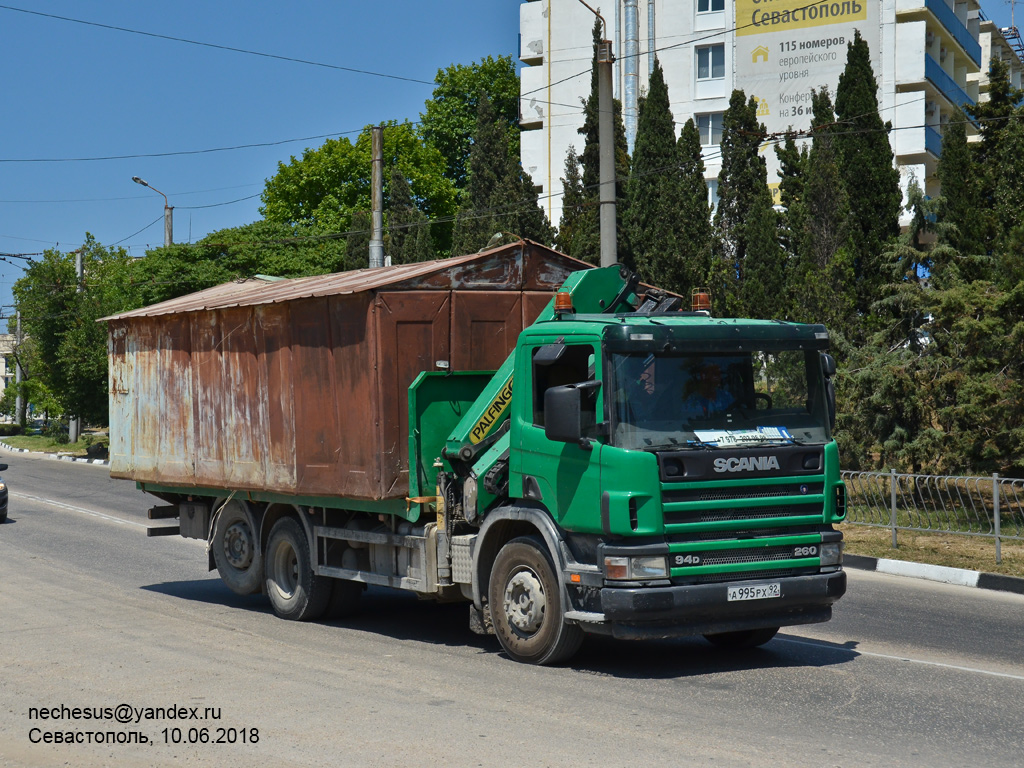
263 386
521 265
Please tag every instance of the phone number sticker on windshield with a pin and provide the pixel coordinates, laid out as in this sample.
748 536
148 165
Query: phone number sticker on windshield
756 592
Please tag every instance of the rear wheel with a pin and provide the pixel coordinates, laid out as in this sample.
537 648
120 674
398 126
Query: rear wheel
295 592
236 549
745 638
525 599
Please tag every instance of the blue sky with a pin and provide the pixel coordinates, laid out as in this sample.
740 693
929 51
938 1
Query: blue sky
73 90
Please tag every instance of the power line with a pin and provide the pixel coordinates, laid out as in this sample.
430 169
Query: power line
219 47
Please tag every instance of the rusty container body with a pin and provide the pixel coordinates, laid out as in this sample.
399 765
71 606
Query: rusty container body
299 387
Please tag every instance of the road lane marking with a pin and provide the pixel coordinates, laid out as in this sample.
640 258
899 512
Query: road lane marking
81 510
903 658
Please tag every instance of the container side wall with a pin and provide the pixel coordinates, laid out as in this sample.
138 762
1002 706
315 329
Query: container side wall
533 305
356 400
315 388
415 333
174 445
208 385
485 326
243 400
121 391
273 331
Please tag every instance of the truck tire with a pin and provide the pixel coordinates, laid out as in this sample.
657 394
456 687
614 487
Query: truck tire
236 549
525 599
745 638
295 592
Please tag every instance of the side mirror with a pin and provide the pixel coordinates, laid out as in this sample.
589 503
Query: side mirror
563 411
828 365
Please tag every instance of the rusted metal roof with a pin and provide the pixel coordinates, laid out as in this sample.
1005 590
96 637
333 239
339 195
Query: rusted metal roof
261 290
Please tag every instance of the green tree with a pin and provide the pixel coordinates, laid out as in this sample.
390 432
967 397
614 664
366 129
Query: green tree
574 202
694 211
71 347
449 116
652 222
866 160
960 209
750 264
263 247
327 185
408 229
500 196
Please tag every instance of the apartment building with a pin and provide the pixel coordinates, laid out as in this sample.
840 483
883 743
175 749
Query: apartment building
929 57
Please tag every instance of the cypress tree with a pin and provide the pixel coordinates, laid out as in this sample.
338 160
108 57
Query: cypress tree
960 211
573 202
500 195
357 241
750 267
866 163
695 233
408 237
792 166
652 223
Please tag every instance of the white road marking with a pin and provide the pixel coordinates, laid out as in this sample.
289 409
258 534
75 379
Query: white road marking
904 658
80 510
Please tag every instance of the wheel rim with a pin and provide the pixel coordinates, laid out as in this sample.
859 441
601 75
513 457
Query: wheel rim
524 602
285 569
238 547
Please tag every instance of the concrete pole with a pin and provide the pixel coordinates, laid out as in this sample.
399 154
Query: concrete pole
377 197
74 426
168 224
606 138
19 406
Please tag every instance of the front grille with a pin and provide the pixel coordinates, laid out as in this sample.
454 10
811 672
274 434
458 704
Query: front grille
751 533
752 555
739 513
747 492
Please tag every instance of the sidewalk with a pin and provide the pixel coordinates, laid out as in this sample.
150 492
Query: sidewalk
58 456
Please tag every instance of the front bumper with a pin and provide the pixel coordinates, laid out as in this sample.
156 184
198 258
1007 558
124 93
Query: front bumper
697 609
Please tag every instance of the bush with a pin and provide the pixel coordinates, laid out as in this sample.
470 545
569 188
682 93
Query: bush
6 430
58 432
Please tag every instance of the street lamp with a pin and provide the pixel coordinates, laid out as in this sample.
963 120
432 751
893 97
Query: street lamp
168 215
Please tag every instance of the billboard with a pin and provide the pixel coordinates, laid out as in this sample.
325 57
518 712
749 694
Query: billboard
786 48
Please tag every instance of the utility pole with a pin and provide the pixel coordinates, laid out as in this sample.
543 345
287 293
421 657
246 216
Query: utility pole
19 405
168 212
606 141
74 425
377 197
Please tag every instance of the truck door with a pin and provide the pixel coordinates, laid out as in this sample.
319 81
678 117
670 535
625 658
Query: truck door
564 477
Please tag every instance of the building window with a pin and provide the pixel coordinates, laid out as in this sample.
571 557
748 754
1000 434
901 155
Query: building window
713 193
710 127
711 62
703 6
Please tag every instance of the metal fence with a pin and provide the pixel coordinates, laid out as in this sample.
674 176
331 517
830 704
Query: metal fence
989 507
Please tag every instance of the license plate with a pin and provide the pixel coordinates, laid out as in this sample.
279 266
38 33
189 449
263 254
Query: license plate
757 592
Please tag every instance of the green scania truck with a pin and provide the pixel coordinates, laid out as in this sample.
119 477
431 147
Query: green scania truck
629 470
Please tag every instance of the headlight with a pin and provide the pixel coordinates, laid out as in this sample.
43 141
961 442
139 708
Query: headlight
636 568
832 553
3 485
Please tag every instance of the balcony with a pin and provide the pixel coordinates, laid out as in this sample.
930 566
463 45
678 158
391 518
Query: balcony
948 18
947 85
933 141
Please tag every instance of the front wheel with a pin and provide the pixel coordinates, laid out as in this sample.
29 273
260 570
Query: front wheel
525 599
745 638
295 592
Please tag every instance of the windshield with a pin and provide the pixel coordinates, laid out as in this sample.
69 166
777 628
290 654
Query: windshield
695 400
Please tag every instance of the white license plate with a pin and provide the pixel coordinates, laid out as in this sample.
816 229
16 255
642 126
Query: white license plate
757 592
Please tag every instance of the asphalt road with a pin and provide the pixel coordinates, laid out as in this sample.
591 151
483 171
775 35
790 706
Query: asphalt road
94 615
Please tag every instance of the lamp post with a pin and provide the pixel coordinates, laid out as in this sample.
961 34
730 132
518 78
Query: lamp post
168 212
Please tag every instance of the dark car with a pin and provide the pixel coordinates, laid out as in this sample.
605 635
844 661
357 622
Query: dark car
3 496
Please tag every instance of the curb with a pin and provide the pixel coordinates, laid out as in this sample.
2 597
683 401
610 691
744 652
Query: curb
958 576
56 456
